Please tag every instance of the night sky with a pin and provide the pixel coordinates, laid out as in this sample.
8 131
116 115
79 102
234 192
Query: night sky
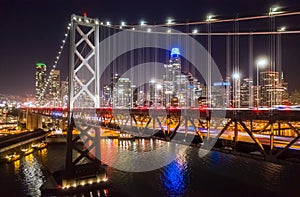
32 30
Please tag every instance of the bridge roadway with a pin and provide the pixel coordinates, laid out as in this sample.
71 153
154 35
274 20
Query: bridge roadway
244 124
241 113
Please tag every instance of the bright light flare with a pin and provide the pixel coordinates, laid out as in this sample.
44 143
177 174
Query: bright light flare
262 62
275 10
143 23
170 21
195 31
236 75
281 29
159 86
210 18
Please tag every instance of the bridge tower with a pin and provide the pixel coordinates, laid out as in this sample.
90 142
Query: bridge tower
83 84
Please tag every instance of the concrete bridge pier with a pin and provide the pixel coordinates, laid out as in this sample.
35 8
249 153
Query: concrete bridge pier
33 121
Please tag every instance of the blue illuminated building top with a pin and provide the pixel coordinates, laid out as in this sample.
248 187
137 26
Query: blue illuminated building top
175 52
221 84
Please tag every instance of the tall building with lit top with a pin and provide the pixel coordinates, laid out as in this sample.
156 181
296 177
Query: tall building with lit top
175 60
177 85
173 69
40 82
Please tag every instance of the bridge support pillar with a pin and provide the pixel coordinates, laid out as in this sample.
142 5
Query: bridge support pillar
97 141
33 121
235 134
208 128
272 138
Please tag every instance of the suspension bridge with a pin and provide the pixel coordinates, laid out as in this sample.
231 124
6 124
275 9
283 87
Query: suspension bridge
153 96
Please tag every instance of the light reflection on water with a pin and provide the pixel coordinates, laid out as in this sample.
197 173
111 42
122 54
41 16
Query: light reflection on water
29 173
215 174
175 176
190 175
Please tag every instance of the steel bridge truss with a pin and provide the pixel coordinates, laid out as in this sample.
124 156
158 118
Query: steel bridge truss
269 135
84 91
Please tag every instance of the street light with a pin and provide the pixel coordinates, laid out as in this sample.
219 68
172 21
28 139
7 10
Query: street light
274 10
195 31
143 23
123 23
278 52
210 18
261 62
170 21
236 75
281 29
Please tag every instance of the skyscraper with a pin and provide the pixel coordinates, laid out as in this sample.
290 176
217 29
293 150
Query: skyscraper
219 90
64 93
177 85
40 82
156 93
106 98
54 88
122 93
285 96
245 92
173 69
236 90
271 89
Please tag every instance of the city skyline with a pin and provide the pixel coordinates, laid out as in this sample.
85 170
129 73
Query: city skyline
105 98
174 88
31 45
